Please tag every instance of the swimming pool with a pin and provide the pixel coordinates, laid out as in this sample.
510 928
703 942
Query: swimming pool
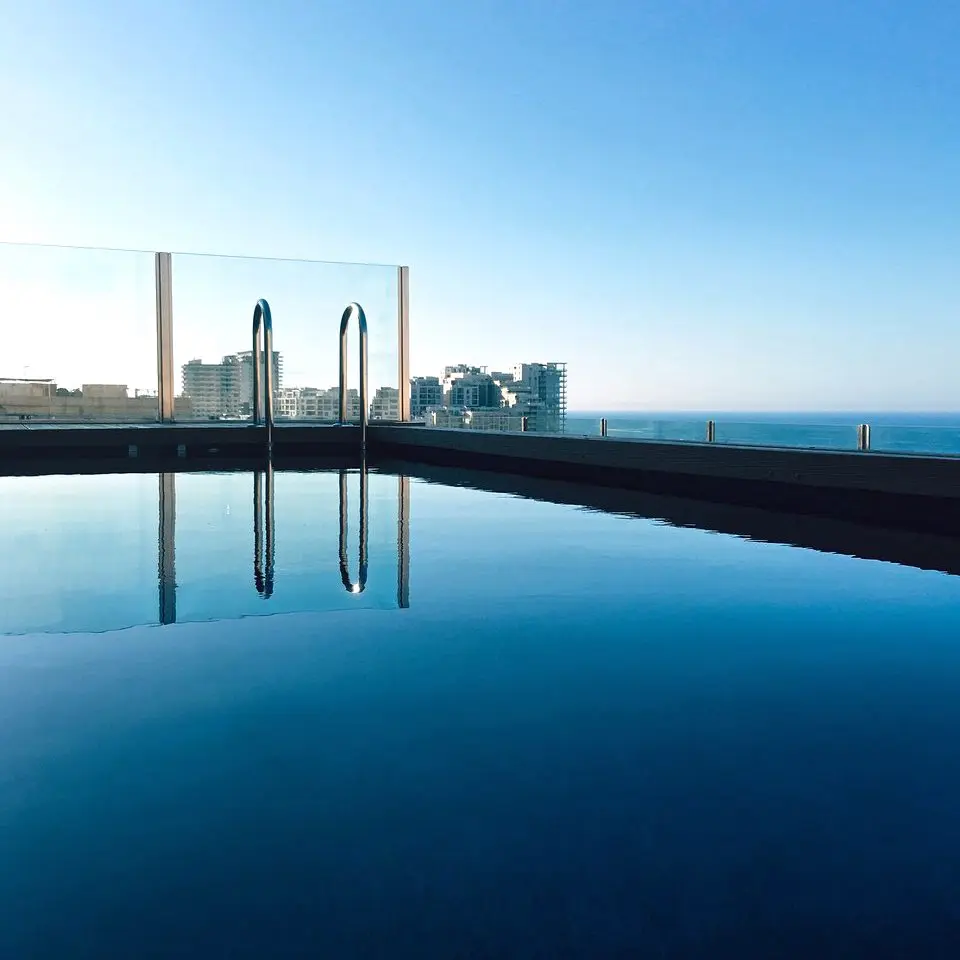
538 730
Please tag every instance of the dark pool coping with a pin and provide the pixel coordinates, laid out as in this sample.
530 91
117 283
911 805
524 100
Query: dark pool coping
926 551
890 490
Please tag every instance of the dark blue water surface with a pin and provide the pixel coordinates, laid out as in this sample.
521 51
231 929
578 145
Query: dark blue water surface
586 735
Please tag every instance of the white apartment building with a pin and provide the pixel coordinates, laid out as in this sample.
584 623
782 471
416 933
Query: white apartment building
213 388
225 389
385 404
498 400
315 403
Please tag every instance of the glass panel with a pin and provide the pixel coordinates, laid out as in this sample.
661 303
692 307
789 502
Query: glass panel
78 553
638 428
224 569
822 436
213 304
916 438
82 334
582 425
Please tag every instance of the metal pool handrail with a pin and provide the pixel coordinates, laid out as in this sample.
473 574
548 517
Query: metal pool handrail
361 583
354 308
264 528
262 320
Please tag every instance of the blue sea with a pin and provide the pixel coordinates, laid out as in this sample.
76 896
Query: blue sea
890 432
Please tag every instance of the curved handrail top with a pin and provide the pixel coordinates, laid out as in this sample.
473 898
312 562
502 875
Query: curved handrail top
261 313
347 313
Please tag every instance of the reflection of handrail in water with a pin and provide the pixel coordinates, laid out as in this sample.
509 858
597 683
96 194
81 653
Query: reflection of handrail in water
361 583
263 529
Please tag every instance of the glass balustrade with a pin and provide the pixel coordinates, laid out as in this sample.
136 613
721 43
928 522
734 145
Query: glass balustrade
81 336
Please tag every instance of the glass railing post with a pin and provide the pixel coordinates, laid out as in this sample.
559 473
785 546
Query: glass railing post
403 345
603 427
863 437
711 431
163 278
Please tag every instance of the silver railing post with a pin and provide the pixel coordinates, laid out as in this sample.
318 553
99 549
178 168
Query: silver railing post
711 431
863 437
524 424
263 363
354 308
603 427
163 279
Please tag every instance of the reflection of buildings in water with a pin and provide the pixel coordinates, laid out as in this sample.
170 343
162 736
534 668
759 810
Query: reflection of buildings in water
264 539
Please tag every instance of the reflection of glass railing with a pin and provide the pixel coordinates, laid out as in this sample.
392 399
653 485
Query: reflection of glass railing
264 538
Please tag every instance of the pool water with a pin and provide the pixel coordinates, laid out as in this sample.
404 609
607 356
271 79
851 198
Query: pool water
538 730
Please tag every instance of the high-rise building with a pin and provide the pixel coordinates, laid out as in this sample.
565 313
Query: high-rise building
213 388
544 388
532 394
225 389
425 392
245 386
471 391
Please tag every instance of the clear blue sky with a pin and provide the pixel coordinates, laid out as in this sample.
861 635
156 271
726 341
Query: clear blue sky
703 205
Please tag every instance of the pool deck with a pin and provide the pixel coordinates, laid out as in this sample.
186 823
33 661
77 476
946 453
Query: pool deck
889 490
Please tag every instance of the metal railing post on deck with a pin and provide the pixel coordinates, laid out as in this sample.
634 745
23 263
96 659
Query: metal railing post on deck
863 437
711 431
263 321
354 308
603 427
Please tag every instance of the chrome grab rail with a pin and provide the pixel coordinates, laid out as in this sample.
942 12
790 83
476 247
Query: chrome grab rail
344 324
361 583
264 528
263 398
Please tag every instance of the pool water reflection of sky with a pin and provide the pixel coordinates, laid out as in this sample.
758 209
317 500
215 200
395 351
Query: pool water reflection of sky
539 731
